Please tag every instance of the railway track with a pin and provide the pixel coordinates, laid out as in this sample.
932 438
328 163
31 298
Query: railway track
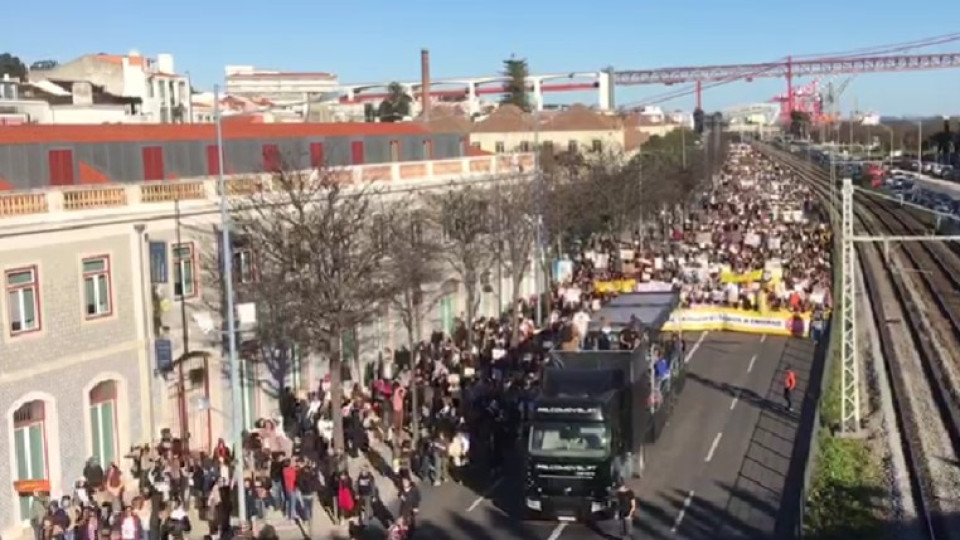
915 293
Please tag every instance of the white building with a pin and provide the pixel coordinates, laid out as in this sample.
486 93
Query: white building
248 81
63 102
164 95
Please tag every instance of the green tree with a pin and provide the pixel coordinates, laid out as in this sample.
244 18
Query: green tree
319 263
12 65
396 105
515 88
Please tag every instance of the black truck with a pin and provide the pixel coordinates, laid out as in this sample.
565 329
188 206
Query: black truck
595 413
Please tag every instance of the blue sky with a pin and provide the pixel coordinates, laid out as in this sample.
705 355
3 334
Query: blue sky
381 40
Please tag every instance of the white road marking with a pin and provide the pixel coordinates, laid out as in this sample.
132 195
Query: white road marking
683 511
713 447
557 532
763 338
733 402
752 360
695 347
486 495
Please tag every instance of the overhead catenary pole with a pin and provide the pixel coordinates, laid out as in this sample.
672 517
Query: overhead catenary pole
850 376
850 373
234 363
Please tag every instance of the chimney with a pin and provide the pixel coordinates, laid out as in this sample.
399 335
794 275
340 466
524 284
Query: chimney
425 83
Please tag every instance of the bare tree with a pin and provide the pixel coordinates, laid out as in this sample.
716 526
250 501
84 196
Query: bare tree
318 261
412 265
463 217
514 233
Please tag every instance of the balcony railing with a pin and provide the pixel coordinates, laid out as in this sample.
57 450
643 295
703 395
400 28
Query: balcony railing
147 196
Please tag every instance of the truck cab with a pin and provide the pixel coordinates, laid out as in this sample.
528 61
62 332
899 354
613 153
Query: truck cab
574 445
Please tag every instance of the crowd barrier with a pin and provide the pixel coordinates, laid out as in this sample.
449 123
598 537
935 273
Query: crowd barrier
700 319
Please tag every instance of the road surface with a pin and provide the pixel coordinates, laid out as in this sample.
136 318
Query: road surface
720 469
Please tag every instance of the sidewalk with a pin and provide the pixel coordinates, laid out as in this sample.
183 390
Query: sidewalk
323 526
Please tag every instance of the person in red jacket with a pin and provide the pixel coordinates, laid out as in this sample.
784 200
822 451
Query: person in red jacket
346 498
789 384
290 491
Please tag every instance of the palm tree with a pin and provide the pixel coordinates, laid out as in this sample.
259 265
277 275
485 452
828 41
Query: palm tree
396 105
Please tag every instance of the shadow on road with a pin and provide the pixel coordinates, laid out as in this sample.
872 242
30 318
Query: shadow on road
743 394
702 520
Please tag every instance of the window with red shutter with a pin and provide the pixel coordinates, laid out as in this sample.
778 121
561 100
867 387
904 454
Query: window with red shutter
213 160
271 158
317 159
60 163
356 153
152 163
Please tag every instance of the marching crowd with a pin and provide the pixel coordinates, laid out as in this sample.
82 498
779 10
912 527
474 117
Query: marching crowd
453 406
757 241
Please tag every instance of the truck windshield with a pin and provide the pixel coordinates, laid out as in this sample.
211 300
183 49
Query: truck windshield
570 440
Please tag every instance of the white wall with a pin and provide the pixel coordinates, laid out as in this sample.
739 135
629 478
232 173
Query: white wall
90 114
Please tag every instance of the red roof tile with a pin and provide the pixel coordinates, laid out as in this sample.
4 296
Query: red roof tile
118 59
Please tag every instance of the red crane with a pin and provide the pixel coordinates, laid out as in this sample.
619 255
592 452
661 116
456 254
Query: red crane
806 98
787 69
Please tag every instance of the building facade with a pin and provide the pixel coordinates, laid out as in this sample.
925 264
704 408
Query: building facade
164 95
111 329
248 81
576 129
39 156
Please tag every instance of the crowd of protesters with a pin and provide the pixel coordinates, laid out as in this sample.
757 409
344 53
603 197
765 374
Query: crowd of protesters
757 240
451 408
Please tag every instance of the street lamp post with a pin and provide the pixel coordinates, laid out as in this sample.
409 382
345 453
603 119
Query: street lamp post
538 278
920 146
227 269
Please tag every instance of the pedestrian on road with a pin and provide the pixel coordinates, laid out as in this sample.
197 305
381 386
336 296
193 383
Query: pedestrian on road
626 509
409 503
789 383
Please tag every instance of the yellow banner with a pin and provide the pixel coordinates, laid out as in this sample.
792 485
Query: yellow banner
735 320
728 276
615 286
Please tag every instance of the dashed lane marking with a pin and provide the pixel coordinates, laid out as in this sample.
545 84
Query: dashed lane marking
713 447
733 402
683 511
695 347
752 360
557 532
763 338
485 496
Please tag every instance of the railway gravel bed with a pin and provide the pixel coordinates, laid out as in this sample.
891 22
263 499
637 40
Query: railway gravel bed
913 288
